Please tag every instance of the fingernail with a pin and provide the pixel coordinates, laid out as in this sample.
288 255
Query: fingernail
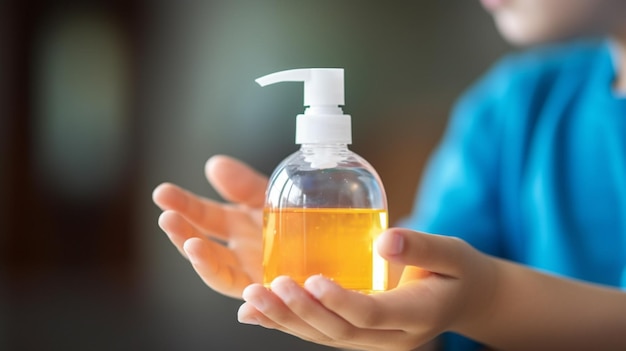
287 289
315 286
397 244
258 303
191 255
253 295
249 320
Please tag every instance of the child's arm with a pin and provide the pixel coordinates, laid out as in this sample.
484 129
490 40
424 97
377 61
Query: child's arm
503 305
457 288
536 311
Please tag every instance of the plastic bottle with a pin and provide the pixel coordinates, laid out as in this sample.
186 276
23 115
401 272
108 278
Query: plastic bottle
325 205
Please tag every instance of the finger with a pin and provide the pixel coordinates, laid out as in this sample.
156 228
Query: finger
248 314
236 181
388 310
268 310
216 266
436 253
326 321
208 215
179 230
394 273
358 309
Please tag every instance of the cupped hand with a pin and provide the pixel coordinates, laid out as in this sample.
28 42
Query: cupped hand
444 282
223 241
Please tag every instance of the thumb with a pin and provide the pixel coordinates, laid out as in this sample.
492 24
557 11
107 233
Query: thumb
435 253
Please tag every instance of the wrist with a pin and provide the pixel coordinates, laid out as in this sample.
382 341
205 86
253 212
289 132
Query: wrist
481 281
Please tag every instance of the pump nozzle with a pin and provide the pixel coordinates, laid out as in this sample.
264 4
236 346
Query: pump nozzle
322 86
323 122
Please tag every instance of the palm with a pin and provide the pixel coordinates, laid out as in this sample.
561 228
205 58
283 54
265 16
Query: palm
223 240
244 225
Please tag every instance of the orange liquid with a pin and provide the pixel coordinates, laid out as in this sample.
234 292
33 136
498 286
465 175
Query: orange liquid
334 242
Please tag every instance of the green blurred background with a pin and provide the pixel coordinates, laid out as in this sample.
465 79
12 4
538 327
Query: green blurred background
100 101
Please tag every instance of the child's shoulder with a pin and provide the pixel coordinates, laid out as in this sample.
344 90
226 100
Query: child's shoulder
524 81
552 60
519 74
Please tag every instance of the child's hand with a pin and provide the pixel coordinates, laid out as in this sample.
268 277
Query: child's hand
453 283
443 283
222 241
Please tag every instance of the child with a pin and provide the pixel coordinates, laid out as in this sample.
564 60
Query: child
532 170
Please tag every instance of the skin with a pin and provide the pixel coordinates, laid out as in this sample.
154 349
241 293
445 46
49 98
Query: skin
527 22
446 285
620 81
224 239
531 22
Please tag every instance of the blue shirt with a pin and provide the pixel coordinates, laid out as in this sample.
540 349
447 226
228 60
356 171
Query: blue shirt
532 167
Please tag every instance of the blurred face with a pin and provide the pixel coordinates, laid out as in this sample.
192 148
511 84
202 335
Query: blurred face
534 21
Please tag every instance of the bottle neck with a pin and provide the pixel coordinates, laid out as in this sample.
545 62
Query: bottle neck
321 156
328 147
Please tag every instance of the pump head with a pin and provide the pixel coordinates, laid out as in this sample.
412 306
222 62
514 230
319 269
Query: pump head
323 122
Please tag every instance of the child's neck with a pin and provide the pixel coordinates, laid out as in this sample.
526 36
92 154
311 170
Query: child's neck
620 79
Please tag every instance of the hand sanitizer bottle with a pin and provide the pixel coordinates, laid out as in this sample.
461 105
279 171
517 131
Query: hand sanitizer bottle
325 205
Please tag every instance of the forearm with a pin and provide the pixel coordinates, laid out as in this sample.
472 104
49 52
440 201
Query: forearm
531 310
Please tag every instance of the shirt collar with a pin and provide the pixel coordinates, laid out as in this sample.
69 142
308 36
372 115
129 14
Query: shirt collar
615 62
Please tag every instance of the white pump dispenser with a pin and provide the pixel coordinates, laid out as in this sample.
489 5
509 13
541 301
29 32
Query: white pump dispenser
325 205
323 122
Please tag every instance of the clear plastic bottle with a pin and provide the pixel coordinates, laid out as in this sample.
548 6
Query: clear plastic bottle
325 205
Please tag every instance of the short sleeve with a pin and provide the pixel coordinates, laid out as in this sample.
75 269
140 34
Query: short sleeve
458 193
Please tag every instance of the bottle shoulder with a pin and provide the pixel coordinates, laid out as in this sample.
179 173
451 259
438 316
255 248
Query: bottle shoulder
321 159
350 182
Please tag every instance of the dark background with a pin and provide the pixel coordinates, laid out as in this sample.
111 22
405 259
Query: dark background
100 101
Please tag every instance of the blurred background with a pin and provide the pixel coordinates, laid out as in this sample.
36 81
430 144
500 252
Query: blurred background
102 100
